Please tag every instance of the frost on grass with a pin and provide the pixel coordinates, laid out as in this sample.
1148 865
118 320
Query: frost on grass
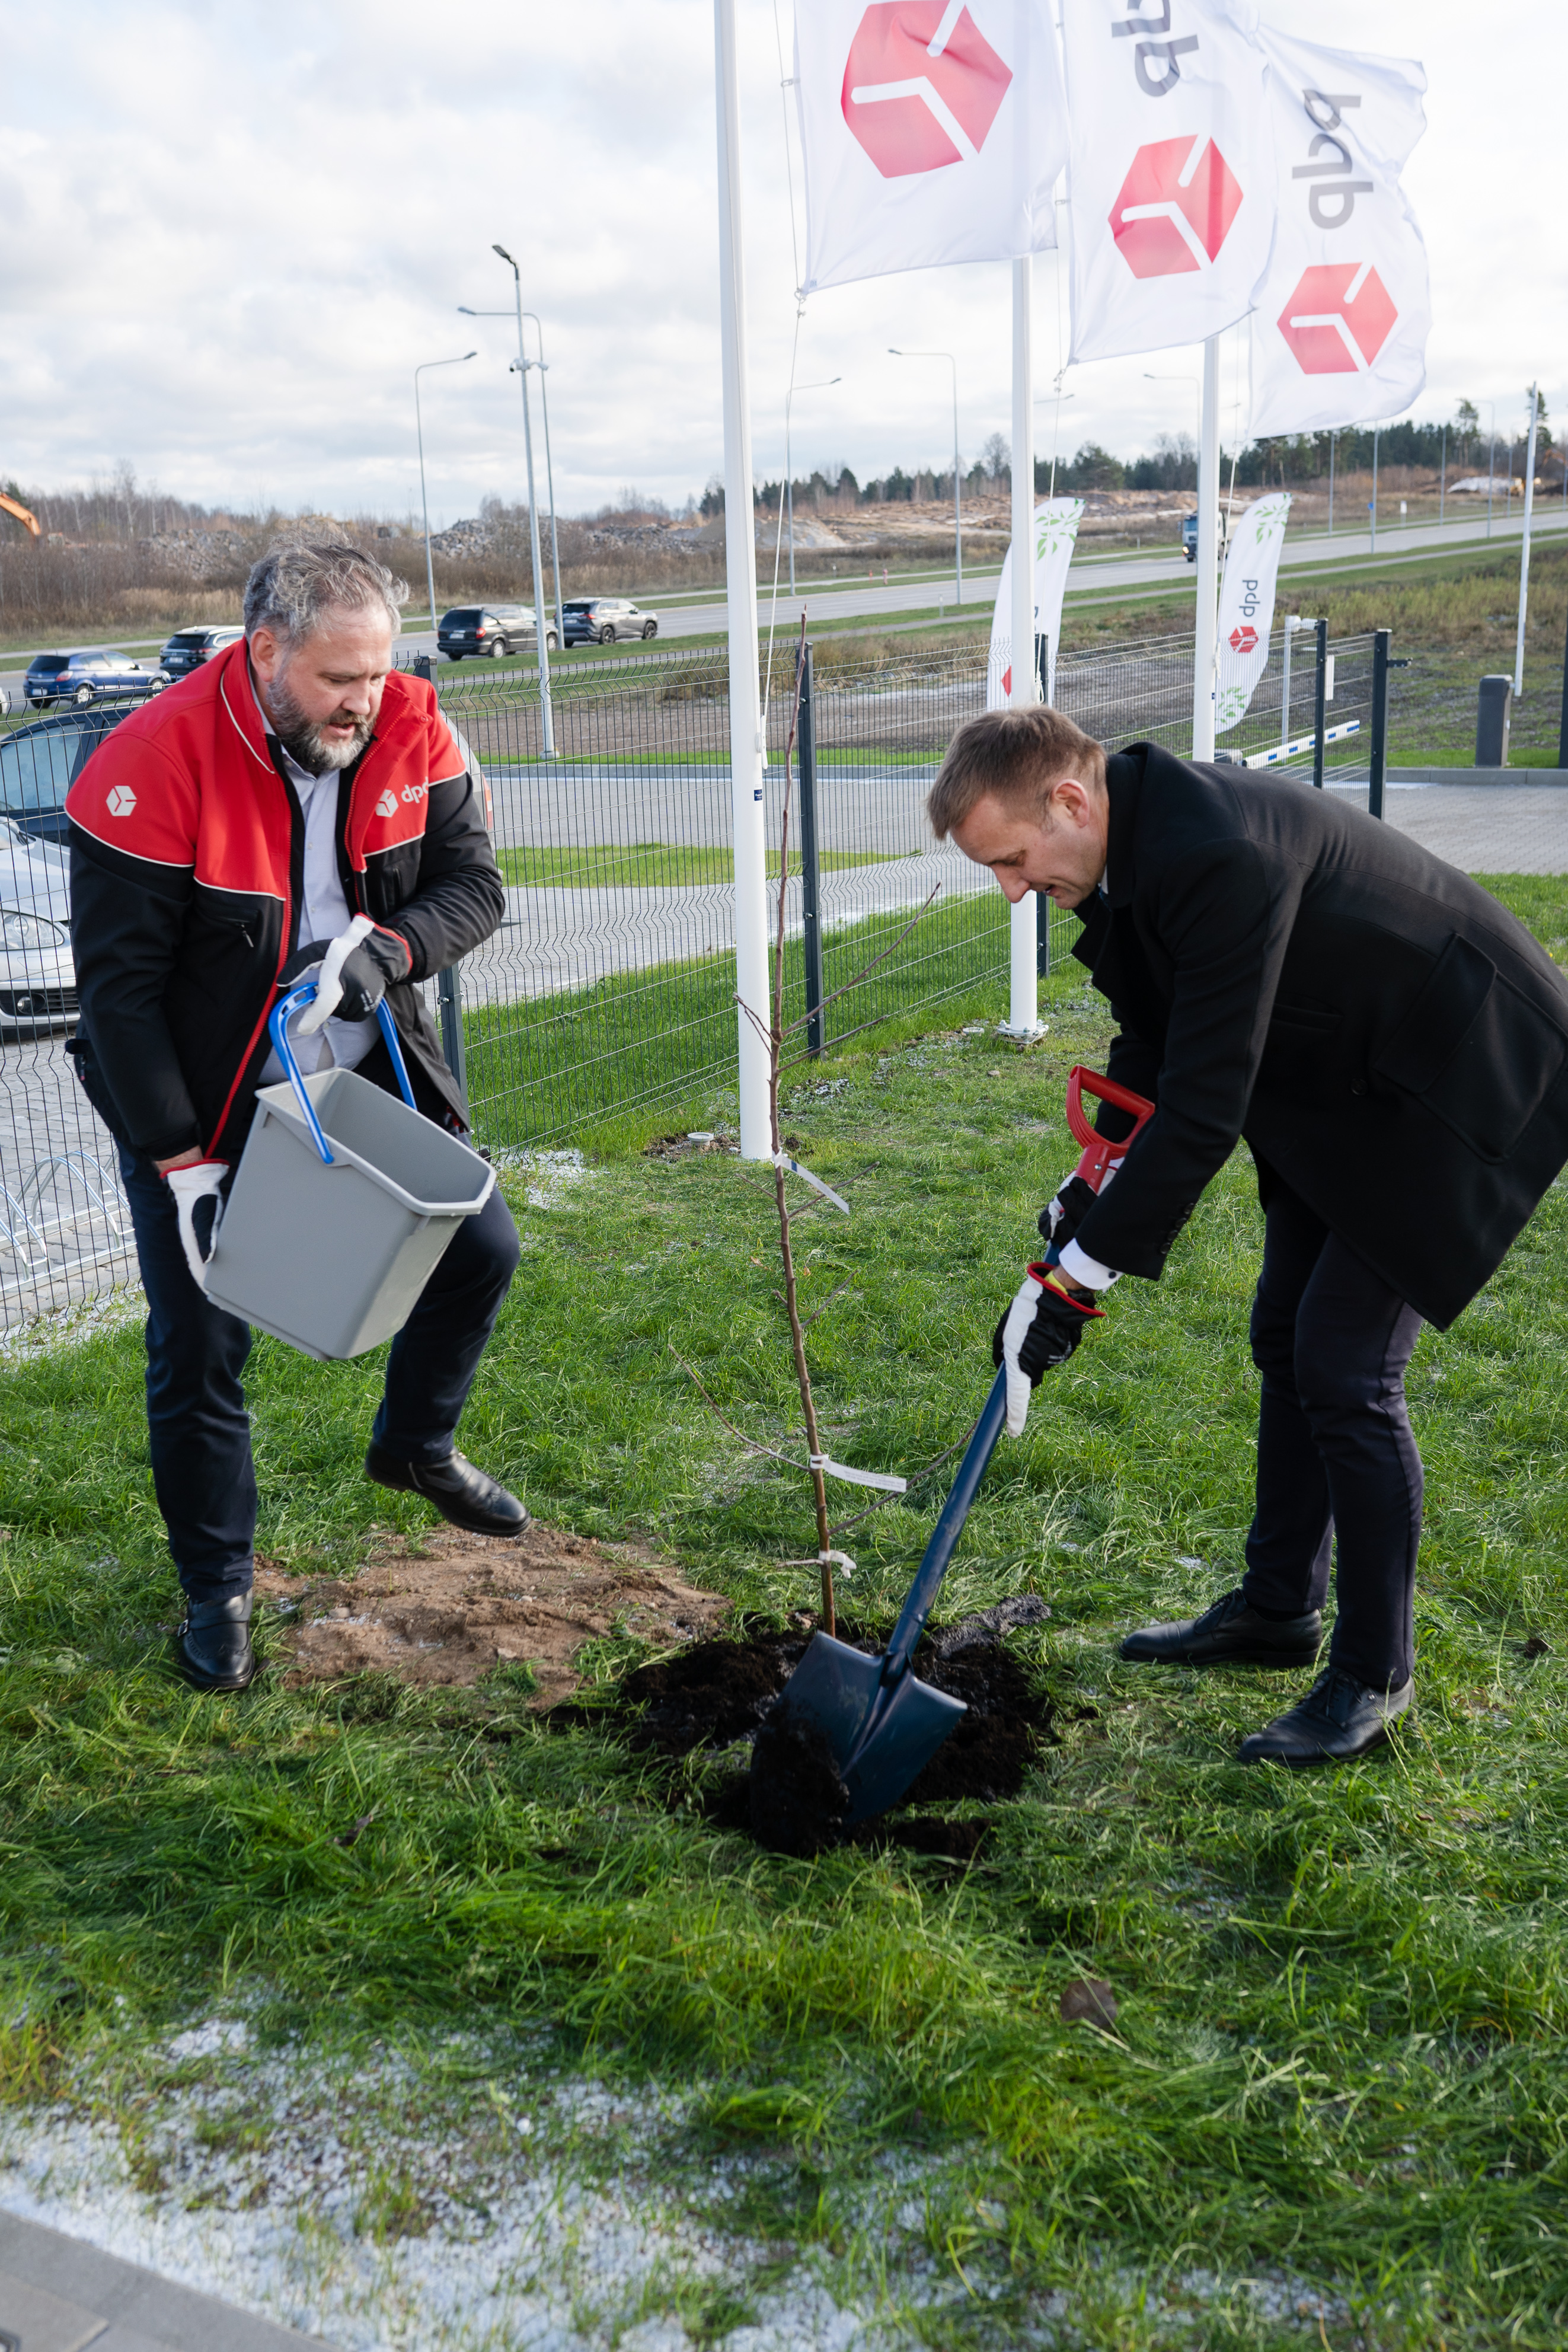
548 1177
482 2198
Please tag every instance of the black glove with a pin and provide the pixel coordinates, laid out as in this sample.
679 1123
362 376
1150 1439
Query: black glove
366 972
1040 1331
1060 1219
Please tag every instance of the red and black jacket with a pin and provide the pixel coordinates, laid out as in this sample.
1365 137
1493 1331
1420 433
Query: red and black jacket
187 855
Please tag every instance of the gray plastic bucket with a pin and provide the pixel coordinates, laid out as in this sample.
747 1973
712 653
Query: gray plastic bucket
330 1256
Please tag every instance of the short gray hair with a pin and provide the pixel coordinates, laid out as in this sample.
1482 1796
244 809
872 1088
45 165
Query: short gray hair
296 585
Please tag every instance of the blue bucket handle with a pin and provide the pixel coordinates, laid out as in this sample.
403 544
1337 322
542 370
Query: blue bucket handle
277 1022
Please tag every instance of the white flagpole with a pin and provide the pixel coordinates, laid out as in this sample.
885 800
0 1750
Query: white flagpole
1023 982
1208 556
747 760
1524 549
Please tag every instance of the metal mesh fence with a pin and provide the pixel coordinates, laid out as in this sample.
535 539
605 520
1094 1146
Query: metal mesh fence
610 984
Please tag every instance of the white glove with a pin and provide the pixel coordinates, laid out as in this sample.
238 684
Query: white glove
1020 1315
329 986
202 1181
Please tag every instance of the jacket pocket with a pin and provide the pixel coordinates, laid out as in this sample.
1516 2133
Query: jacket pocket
1294 1047
1475 1050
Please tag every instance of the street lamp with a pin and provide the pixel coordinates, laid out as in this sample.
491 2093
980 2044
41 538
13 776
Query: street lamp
522 364
549 477
425 502
789 469
957 511
1492 459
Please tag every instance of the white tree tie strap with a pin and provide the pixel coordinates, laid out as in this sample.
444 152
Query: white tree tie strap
793 1168
832 1469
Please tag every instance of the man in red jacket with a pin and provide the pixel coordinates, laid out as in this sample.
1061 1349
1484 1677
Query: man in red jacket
296 804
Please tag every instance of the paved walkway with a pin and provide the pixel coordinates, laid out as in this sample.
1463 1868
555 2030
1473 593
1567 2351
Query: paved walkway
57 2295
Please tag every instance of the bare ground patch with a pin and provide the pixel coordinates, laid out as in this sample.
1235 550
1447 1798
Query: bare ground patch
447 1608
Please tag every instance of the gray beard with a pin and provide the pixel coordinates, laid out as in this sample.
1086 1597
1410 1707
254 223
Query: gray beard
302 737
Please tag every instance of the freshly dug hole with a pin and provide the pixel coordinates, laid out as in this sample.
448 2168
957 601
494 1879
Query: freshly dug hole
715 1693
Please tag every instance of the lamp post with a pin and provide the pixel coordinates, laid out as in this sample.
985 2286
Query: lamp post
547 717
957 511
1491 460
425 502
550 478
788 464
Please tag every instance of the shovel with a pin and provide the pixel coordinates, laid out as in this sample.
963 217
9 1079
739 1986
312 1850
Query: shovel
882 1722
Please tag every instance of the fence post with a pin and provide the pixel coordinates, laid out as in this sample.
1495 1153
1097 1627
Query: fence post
1381 639
811 867
449 999
1320 704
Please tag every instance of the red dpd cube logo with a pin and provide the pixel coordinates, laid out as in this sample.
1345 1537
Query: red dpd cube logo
1338 319
1244 638
913 99
1175 208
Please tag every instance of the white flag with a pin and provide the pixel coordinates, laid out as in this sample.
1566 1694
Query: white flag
1342 313
1170 182
1247 606
1056 522
933 131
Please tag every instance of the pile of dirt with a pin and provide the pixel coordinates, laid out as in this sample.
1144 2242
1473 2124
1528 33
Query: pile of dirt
447 1608
717 1693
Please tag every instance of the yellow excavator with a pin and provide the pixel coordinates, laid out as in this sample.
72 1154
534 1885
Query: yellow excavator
29 523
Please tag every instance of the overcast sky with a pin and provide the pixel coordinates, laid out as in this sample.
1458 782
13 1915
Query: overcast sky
231 233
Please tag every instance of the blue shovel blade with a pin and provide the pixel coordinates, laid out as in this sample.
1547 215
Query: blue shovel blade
882 1739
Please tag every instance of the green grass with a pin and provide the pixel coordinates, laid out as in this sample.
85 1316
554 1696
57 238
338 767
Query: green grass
1342 1998
587 1064
654 865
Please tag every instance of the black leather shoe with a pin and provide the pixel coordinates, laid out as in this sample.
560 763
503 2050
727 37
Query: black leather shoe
1338 1719
460 1493
212 1648
1228 1634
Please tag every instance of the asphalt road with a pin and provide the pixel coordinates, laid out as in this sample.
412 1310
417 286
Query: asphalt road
1094 578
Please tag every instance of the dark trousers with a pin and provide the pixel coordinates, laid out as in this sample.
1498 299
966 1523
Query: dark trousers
196 1421
1335 1454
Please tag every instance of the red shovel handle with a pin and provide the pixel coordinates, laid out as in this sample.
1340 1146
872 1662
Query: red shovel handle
1098 1149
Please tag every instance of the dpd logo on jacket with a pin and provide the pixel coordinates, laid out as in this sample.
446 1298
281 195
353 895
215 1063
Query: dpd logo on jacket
1338 319
921 85
387 804
1175 206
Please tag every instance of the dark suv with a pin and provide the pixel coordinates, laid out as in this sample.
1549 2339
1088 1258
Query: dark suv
187 650
495 630
600 620
90 675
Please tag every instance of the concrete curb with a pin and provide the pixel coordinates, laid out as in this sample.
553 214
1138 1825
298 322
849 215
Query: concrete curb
1515 778
59 2294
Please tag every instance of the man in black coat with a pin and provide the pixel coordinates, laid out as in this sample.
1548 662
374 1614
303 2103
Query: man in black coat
1392 1045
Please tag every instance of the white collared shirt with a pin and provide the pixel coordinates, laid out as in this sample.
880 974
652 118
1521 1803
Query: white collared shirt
324 913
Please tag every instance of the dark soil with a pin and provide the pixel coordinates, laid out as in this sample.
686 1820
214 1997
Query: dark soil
714 1693
796 1801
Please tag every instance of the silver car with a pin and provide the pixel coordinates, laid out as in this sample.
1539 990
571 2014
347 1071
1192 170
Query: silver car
37 977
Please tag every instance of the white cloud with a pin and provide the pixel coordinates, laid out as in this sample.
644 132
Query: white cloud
230 235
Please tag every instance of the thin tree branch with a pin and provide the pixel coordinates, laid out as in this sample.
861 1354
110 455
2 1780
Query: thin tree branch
866 967
754 1444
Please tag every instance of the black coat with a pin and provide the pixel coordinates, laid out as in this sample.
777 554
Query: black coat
1389 1040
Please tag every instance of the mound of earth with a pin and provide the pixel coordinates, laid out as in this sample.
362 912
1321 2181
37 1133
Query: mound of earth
447 1608
715 1693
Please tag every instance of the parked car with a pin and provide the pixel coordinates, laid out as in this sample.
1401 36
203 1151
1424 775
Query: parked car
37 977
1189 536
495 630
600 620
88 676
187 650
40 762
